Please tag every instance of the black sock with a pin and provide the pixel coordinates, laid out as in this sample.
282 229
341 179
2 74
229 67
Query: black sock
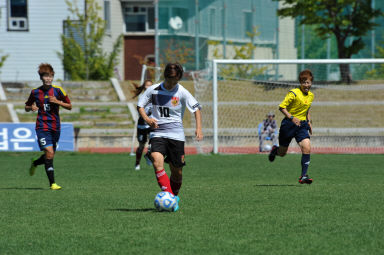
40 160
305 159
139 152
276 150
49 170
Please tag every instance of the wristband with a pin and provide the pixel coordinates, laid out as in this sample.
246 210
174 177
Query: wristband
291 118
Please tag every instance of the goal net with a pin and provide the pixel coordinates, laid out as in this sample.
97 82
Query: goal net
347 112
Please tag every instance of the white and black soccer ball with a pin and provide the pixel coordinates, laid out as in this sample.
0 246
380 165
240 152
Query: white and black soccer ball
267 147
165 201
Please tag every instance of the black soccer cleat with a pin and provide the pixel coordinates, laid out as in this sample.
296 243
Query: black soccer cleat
273 153
305 179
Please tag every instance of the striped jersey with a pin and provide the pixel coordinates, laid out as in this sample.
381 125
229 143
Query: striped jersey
297 103
48 118
141 124
168 108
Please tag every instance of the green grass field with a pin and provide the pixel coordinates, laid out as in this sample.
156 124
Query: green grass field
230 204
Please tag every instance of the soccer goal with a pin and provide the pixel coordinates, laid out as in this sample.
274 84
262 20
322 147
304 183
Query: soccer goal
152 73
347 112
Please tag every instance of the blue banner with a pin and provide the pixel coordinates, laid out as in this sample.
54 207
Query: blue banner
22 137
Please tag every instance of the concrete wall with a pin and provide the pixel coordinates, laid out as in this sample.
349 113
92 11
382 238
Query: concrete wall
287 49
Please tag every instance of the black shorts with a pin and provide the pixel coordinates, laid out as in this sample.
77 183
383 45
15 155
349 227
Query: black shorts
289 130
142 134
172 150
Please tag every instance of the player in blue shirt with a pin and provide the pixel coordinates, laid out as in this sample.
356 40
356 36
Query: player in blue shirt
47 100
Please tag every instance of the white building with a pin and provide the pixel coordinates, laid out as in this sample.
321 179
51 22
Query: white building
31 39
30 33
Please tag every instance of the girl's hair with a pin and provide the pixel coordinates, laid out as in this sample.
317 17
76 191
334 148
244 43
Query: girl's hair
304 75
178 67
139 88
45 68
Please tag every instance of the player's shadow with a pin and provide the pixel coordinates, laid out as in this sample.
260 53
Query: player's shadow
133 209
21 188
277 185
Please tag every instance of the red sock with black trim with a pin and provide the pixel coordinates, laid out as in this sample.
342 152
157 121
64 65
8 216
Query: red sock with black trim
163 180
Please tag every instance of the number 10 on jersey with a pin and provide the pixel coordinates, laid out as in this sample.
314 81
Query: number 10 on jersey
164 111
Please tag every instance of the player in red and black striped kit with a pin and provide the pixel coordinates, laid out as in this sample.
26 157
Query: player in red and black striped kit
47 100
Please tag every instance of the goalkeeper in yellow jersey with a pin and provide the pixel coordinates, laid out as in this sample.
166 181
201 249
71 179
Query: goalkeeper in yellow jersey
297 123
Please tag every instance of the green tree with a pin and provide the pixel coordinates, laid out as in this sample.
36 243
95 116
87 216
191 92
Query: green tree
2 60
315 48
83 57
378 71
177 51
4 57
347 20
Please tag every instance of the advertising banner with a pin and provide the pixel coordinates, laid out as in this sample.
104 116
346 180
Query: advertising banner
22 137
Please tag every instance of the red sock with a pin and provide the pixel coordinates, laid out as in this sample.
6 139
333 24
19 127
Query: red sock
176 185
163 181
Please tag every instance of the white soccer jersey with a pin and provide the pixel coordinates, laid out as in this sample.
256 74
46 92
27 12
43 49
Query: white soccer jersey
168 109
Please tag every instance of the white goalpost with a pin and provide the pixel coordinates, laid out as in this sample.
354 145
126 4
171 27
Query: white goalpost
258 86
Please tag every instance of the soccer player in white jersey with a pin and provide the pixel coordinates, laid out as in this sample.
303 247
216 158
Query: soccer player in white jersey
169 100
143 129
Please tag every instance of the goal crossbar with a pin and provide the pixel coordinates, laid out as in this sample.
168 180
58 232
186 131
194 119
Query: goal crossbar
300 61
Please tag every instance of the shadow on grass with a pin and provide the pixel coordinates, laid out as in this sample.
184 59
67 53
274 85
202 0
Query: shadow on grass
18 188
133 210
278 185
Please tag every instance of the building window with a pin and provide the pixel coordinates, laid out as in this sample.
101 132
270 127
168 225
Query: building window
74 30
248 23
163 17
151 18
107 16
17 15
212 22
139 18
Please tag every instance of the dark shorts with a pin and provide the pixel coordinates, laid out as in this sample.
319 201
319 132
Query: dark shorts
142 134
47 138
289 130
172 150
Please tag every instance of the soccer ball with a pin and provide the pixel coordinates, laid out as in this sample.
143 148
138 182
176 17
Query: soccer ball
267 147
165 201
